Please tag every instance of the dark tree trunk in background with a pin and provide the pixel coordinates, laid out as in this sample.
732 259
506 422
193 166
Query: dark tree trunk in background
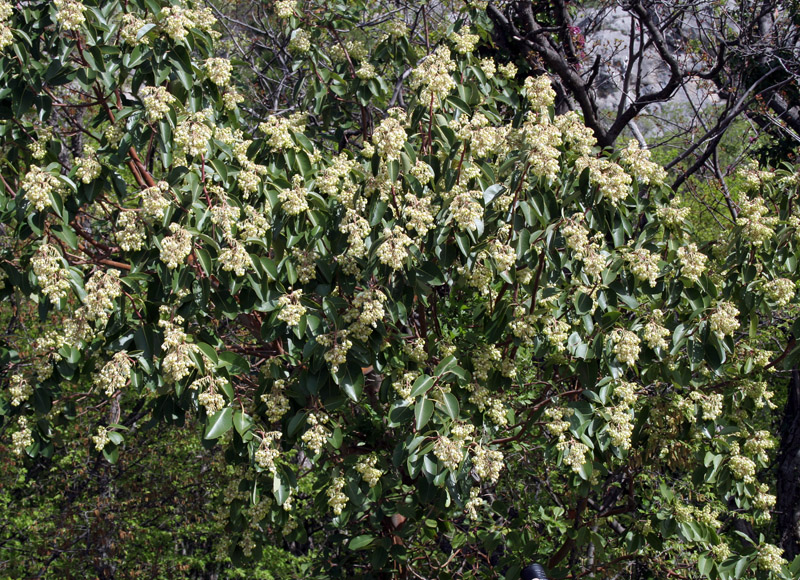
788 495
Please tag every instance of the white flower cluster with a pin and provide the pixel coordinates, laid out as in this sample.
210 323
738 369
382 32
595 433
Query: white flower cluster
488 463
231 98
724 319
336 499
176 248
70 13
212 401
523 325
780 291
759 392
580 138
673 215
626 346
423 172
192 134
338 345
114 374
764 500
48 265
620 427
293 201
644 265
329 180
756 224
305 264
88 168
754 177
589 252
369 473
610 179
101 439
638 161
266 454
22 439
389 137
156 102
539 92
473 503
366 311
449 452
284 8
256 224
38 184
300 43
178 362
279 130
433 77
218 71
508 70
488 67
557 332
770 558
366 71
654 334
19 389
757 445
743 468
393 252
464 43
6 35
129 32
316 435
276 401
402 385
576 453
291 309
177 21
153 201
101 291
129 234
234 258
693 262
466 209
224 216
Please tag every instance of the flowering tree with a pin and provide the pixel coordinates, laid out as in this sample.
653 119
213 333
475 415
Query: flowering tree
372 324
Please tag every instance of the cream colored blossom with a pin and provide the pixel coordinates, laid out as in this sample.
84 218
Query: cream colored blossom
38 186
156 102
192 134
177 247
291 309
218 71
389 138
638 161
393 252
693 262
48 265
70 13
432 77
724 319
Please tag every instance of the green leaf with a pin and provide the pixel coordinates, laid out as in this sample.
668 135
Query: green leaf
361 542
423 411
421 386
451 405
235 363
219 424
242 422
